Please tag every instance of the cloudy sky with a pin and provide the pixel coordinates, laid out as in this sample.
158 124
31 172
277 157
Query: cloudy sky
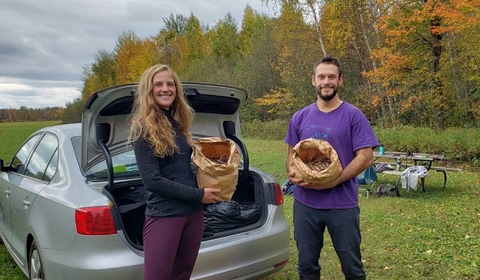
44 44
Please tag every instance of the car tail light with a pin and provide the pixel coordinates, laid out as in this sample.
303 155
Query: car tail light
278 194
95 221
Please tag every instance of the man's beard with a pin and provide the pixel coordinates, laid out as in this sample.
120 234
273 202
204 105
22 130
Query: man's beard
327 97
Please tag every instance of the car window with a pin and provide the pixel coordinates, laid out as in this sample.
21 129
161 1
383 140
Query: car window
51 168
124 166
43 159
20 159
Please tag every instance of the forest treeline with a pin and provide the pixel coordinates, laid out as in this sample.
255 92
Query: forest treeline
25 114
405 62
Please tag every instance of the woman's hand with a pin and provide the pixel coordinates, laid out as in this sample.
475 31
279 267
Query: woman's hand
210 197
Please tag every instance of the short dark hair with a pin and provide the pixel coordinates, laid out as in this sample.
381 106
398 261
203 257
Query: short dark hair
329 60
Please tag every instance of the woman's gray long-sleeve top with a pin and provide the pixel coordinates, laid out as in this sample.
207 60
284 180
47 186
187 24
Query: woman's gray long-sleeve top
172 186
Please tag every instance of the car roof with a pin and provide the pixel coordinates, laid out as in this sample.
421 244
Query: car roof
68 130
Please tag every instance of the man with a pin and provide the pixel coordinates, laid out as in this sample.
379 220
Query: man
333 205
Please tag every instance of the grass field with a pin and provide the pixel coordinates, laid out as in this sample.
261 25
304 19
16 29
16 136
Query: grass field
432 235
12 136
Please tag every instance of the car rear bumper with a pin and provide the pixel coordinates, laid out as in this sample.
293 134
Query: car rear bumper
248 255
83 261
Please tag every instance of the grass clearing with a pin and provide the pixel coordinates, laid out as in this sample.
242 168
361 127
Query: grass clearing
12 136
431 235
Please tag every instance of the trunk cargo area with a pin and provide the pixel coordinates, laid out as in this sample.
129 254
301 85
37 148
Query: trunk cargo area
246 210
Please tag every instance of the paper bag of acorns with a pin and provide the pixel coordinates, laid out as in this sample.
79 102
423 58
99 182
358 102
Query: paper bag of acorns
316 161
216 160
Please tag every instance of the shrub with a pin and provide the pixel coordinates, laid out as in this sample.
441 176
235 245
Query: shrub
272 130
459 145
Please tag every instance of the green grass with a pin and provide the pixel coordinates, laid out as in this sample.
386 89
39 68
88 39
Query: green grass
431 235
8 268
12 136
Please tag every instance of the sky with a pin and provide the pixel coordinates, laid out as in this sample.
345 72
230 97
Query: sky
44 44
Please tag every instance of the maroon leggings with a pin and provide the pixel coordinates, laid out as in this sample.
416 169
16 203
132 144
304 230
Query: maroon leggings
171 245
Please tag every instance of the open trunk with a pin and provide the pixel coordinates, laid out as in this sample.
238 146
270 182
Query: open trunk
246 210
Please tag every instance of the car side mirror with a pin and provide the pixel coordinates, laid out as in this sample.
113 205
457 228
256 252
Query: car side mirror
4 168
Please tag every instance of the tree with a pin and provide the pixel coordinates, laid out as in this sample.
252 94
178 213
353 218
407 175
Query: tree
100 74
405 61
127 49
225 38
257 71
146 55
295 43
412 55
172 43
73 111
197 44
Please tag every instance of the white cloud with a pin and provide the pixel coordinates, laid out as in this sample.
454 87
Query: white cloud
45 44
37 93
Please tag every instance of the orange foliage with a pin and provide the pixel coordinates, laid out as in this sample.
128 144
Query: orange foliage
408 104
278 101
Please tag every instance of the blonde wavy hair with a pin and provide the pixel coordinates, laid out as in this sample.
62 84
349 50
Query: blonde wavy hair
148 121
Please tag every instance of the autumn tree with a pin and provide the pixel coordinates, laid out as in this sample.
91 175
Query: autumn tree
414 59
133 56
171 42
257 71
461 63
298 50
100 74
405 61
350 34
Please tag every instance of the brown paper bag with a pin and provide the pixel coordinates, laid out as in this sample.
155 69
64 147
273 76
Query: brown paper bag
309 150
216 160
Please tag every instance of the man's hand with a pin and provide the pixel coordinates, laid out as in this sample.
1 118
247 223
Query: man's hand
325 186
210 197
301 182
296 181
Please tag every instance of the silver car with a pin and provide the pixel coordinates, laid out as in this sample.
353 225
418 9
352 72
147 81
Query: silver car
72 202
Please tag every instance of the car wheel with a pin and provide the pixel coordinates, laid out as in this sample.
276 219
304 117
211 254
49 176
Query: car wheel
35 263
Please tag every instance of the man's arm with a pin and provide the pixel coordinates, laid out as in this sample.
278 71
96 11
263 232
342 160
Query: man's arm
363 159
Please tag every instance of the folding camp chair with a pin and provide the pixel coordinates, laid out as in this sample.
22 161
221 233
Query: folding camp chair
368 178
287 188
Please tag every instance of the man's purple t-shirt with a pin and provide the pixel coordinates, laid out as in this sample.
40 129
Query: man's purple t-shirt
346 129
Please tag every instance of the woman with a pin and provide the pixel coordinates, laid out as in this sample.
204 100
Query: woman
161 139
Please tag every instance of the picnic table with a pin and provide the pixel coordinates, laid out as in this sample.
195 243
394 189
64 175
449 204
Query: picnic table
424 159
417 158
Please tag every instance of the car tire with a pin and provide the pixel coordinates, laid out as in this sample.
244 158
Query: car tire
35 265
